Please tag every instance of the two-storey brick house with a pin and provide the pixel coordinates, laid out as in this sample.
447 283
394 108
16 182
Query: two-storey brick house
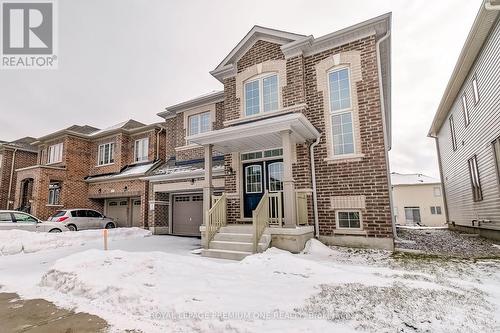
84 167
14 155
303 128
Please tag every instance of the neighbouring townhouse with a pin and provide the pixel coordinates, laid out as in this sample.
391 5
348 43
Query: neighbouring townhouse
84 167
466 128
417 200
14 155
295 146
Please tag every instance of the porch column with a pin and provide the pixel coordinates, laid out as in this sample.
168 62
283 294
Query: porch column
288 182
207 185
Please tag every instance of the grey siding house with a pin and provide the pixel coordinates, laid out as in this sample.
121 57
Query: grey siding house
467 130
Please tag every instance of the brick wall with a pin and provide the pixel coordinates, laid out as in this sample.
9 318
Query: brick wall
23 159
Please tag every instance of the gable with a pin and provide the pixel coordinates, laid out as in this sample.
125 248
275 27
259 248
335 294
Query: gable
258 53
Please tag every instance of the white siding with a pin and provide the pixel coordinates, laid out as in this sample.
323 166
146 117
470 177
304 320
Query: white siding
475 139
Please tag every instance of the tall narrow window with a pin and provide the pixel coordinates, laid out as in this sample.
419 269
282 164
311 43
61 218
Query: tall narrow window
475 89
465 110
477 193
106 154
199 123
54 153
496 149
261 95
253 175
453 136
275 176
141 150
54 193
341 112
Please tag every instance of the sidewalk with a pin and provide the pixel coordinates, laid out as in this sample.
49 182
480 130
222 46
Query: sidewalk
40 316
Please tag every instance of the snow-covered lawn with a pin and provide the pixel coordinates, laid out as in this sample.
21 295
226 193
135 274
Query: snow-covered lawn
155 284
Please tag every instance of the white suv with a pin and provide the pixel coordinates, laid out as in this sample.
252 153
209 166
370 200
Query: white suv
82 219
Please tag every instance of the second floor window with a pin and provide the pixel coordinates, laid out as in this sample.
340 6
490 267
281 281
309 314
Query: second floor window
341 111
106 153
465 110
54 153
477 193
141 149
261 95
199 123
453 136
475 89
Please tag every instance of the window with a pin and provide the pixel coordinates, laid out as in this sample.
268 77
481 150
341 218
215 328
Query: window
412 215
199 123
93 214
496 149
452 131
341 113
275 177
106 154
259 154
475 89
5 217
351 220
437 191
465 110
253 177
24 218
54 154
435 210
141 149
477 193
54 193
261 95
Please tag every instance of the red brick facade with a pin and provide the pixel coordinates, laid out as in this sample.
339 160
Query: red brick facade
8 176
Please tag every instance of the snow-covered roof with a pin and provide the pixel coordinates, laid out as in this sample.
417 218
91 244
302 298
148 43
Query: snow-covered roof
412 179
129 172
169 171
128 124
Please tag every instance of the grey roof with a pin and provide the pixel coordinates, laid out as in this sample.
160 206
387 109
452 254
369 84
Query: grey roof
170 167
208 98
22 143
85 129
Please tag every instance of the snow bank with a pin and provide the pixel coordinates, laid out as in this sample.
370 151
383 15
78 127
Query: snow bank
20 241
315 247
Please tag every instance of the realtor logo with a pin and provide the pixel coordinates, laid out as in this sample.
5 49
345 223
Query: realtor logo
28 34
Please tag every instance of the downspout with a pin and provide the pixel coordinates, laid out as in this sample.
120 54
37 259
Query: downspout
11 176
386 147
315 194
158 143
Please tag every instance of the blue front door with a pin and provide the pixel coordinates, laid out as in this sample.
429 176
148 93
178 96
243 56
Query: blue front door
257 178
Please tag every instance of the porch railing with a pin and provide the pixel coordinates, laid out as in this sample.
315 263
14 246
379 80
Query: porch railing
275 209
216 216
260 220
301 205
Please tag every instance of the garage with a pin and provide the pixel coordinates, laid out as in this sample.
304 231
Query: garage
118 210
187 214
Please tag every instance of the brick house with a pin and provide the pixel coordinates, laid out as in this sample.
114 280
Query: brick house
14 155
84 167
295 146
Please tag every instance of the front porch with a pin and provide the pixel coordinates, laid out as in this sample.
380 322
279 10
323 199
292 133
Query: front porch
261 204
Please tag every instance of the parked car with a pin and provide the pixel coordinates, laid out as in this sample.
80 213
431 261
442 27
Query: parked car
82 219
12 219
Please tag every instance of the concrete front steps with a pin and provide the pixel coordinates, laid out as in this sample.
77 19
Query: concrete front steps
234 242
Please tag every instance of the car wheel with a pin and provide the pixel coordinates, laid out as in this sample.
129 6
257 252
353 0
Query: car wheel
55 230
110 225
72 227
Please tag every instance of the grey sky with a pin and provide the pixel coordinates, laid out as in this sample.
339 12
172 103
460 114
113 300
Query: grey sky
126 59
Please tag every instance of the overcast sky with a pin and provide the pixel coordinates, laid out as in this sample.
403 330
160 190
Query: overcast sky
125 59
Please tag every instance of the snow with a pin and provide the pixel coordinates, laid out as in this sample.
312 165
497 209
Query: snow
416 227
20 241
156 284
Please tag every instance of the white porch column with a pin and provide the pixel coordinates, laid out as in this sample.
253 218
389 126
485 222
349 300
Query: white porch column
290 217
207 184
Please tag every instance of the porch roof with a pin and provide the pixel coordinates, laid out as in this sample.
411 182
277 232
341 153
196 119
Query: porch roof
259 134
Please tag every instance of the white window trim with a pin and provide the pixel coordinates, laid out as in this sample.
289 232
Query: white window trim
262 158
349 211
465 110
143 158
260 78
261 179
269 176
111 156
60 157
332 113
210 121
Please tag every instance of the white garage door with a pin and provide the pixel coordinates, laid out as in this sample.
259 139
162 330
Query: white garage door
187 215
118 210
